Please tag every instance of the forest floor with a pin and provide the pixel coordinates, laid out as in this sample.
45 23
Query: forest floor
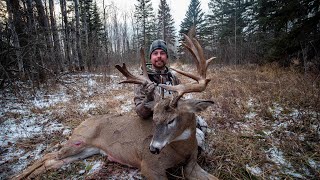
265 123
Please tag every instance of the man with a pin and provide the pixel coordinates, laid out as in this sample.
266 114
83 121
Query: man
144 94
160 73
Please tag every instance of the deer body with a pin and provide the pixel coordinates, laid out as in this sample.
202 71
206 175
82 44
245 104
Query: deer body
126 140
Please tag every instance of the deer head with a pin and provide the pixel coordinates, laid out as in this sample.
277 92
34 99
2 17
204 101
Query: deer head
174 118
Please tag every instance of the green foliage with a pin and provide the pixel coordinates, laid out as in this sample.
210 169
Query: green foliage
166 29
278 30
146 23
90 19
293 26
194 17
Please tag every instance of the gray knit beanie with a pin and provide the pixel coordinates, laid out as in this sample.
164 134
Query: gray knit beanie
158 44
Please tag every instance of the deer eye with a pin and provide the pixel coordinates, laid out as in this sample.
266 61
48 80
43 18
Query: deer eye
170 122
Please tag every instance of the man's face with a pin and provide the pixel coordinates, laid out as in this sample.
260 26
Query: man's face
159 59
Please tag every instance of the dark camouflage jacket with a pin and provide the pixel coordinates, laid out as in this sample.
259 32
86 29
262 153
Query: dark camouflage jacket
143 105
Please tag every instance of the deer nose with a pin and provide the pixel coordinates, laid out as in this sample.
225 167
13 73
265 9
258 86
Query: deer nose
154 150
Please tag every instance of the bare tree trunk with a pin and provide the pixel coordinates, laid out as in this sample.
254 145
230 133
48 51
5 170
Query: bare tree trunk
85 32
66 33
16 43
56 39
78 41
46 41
31 23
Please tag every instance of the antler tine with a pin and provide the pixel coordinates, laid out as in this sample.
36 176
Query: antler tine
141 79
191 48
196 51
202 62
143 64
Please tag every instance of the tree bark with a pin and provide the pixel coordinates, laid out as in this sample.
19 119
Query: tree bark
66 33
16 26
46 51
56 39
78 40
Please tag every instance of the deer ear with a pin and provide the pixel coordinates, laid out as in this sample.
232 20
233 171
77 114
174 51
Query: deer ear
195 105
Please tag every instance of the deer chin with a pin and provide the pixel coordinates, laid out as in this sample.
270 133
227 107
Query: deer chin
156 146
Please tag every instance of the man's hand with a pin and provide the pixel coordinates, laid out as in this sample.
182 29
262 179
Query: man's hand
148 89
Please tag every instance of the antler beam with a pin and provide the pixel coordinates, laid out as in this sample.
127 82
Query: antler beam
196 51
141 79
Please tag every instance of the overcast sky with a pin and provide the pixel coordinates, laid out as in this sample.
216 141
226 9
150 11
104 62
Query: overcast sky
178 7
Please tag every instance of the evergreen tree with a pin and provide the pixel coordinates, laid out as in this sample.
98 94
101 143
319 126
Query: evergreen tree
194 17
92 35
145 20
166 30
226 18
293 29
96 25
229 21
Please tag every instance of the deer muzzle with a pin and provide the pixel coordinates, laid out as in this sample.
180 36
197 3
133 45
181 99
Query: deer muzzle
154 150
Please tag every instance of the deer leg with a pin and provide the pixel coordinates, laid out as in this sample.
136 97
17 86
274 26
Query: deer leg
52 161
153 174
194 171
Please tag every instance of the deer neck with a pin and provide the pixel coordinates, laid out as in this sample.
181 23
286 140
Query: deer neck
189 132
185 147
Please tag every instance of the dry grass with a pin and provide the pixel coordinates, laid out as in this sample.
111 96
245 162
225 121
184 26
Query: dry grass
240 140
257 109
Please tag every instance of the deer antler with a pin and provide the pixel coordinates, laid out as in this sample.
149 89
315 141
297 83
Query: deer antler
141 79
196 51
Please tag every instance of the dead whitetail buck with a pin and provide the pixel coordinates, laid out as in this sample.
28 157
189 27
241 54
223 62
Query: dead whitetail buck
170 136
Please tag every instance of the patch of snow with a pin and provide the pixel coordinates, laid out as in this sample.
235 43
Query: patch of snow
257 171
294 114
66 132
188 96
85 107
91 82
276 156
14 107
127 106
131 174
81 172
250 115
250 103
294 174
314 164
28 127
266 132
276 110
301 138
49 100
120 97
95 166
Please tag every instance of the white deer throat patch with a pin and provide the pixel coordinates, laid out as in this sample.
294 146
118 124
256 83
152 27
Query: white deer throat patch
184 135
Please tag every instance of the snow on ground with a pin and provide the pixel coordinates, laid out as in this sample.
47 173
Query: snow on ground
32 118
284 117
